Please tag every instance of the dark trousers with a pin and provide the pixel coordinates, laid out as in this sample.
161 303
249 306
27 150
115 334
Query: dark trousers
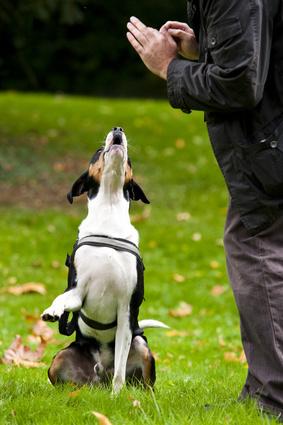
255 268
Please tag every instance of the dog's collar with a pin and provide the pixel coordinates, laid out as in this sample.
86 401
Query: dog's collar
105 241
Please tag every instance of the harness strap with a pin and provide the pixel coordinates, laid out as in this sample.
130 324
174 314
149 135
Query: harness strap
97 325
105 241
119 244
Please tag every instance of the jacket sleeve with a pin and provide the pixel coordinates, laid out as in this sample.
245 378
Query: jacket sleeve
235 56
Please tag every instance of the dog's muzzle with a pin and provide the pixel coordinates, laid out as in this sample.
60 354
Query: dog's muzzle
117 136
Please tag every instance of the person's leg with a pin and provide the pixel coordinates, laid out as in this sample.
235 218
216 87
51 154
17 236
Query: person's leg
255 268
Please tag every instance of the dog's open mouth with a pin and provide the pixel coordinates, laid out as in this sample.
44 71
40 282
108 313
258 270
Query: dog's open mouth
117 143
117 138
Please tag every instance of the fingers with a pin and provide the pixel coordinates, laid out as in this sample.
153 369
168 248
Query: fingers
136 45
175 25
178 33
138 24
140 36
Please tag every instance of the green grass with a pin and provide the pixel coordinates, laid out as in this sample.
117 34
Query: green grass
45 142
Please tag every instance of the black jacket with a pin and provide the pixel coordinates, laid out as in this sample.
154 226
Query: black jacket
238 82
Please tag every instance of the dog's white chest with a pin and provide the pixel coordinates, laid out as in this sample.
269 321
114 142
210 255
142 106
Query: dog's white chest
110 278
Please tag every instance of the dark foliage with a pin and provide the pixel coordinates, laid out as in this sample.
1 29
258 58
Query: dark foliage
78 46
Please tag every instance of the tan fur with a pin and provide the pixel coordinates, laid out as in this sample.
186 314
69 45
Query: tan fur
95 170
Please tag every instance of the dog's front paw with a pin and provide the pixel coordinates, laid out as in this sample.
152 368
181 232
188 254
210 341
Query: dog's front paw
51 314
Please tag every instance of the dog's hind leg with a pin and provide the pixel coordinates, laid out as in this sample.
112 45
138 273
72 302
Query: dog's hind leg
74 364
141 363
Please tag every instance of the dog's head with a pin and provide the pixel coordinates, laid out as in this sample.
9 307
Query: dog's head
112 158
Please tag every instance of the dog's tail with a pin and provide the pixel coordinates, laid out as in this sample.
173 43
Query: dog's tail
151 323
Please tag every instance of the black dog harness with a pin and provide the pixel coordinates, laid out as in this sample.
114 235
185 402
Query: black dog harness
67 328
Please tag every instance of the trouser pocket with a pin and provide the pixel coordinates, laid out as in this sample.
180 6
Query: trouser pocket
265 161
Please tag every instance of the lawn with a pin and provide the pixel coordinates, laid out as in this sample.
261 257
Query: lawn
45 143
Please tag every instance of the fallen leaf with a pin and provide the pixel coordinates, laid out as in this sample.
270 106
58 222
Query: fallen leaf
29 317
174 332
183 216
59 166
221 341
231 356
214 264
21 355
102 420
74 394
36 264
42 330
182 310
196 237
136 403
137 218
55 264
32 339
179 278
218 290
242 357
180 143
26 288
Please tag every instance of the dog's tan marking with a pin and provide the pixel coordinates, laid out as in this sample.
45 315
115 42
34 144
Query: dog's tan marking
147 365
128 174
95 170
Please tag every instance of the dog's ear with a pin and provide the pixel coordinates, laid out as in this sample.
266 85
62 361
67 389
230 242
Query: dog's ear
79 187
136 193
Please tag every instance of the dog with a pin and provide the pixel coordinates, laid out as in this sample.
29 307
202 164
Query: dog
110 344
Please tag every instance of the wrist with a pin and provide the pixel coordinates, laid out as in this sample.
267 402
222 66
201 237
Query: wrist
164 71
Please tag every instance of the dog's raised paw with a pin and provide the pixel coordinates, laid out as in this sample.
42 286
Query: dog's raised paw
52 313
49 318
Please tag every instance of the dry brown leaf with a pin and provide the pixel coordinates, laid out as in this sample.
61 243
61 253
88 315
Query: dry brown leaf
30 317
174 332
32 339
231 356
102 420
137 218
214 264
242 357
179 278
180 143
221 341
136 403
42 330
74 394
21 355
26 288
217 290
183 216
55 264
182 310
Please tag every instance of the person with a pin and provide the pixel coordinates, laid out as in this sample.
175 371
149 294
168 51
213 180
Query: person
228 62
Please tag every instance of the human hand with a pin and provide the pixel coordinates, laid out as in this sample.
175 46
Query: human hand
156 49
184 37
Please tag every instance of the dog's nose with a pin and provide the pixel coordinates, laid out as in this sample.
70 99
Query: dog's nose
117 129
117 135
